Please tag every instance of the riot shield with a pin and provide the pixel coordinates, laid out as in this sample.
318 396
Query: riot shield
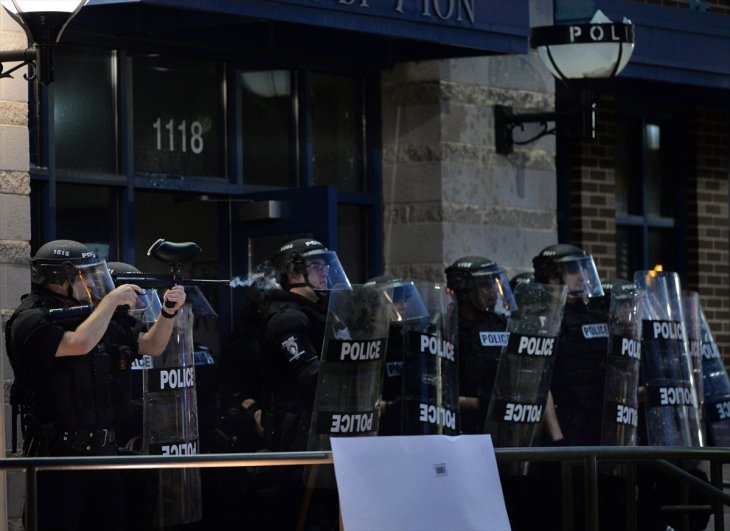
716 386
347 399
170 422
430 404
693 331
621 401
525 369
671 409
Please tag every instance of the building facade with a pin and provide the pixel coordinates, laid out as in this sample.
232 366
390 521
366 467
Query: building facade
369 127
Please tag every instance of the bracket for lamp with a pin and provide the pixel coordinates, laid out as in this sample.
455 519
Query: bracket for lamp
506 121
25 57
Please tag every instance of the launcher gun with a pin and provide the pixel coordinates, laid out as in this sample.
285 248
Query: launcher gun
174 255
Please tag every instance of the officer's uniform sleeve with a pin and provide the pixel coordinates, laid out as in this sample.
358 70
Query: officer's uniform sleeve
34 338
289 336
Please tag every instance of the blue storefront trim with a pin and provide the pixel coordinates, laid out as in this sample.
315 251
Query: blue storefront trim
676 45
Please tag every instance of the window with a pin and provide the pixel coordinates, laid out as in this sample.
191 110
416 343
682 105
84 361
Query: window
648 184
84 110
178 117
337 132
151 145
268 125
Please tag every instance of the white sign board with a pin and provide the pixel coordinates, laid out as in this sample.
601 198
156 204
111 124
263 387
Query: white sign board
419 483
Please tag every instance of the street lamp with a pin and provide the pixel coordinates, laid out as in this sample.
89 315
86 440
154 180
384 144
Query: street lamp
575 54
43 22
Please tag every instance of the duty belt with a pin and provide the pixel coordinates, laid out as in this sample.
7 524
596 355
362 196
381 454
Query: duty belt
85 441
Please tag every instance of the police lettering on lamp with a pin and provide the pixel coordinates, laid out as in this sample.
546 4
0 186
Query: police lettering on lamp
484 301
63 369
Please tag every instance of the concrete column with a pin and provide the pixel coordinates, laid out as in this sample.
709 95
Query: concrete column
446 192
14 231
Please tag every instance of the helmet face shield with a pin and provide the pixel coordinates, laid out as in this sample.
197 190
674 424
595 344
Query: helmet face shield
323 271
407 302
89 282
491 292
580 276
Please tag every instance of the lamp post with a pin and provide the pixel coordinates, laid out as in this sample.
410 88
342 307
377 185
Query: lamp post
574 54
43 22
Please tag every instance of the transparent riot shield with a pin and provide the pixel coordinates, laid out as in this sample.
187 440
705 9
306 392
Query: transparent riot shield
693 331
716 386
347 400
430 404
170 423
672 417
516 409
619 424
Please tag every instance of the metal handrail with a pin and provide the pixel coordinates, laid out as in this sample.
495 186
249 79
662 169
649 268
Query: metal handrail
590 457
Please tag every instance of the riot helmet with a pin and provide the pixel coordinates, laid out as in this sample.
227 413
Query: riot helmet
407 302
521 278
320 267
59 261
568 265
147 307
483 282
619 288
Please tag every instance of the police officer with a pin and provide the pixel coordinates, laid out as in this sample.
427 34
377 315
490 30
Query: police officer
122 343
484 300
408 306
578 377
292 346
294 333
577 384
56 345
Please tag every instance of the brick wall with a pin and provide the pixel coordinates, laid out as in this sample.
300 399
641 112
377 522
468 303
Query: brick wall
708 218
592 196
706 207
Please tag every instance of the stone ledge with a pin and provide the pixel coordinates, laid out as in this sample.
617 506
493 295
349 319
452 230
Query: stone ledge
433 92
14 252
14 113
498 216
453 152
14 182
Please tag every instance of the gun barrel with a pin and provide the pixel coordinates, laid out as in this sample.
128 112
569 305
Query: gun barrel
166 281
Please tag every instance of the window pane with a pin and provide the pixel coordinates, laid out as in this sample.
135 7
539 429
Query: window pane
659 187
84 110
164 215
88 214
354 234
267 127
178 117
628 164
663 249
337 132
629 256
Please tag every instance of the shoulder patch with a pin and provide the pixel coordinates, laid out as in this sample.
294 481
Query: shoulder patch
292 348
